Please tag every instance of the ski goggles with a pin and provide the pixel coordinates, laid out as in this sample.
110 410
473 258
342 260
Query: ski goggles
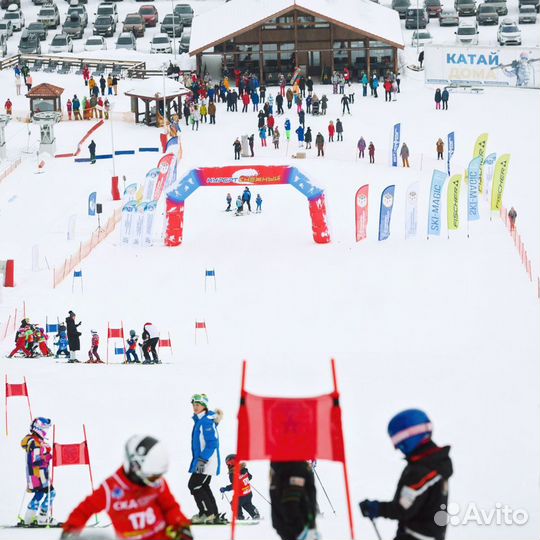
201 399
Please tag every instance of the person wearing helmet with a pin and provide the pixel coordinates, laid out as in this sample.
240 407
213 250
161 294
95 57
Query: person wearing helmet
21 341
206 460
93 355
245 500
294 500
38 459
131 352
136 497
422 490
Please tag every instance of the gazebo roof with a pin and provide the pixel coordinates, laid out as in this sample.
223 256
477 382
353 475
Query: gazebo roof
45 90
152 88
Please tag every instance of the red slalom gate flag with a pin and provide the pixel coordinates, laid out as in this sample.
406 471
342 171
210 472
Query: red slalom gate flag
362 212
115 333
70 454
16 390
290 429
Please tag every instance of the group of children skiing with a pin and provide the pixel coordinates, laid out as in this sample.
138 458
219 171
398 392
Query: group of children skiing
244 199
31 341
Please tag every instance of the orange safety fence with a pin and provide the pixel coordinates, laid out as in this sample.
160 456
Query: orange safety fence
85 248
10 169
12 322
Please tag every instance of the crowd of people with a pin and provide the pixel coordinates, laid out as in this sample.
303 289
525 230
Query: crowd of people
31 340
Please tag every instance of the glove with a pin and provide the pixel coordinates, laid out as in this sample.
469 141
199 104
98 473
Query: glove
178 533
222 490
308 534
370 509
200 466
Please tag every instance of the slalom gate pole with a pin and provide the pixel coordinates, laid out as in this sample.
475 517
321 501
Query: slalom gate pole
376 529
224 495
324 491
259 493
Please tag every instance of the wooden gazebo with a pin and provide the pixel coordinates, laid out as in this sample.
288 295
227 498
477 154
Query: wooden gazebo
45 97
150 93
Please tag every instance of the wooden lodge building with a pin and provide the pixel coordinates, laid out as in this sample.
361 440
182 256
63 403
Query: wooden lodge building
268 37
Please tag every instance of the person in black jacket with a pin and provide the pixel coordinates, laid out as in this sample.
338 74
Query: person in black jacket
294 499
73 337
245 499
92 150
422 490
237 148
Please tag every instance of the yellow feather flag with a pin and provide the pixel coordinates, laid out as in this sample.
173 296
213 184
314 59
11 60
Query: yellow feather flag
480 149
454 187
499 180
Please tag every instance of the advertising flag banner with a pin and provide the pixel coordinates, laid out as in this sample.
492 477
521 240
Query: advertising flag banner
362 212
499 181
395 144
489 164
473 173
435 200
165 165
450 150
452 199
411 210
131 191
92 198
149 185
387 204
480 147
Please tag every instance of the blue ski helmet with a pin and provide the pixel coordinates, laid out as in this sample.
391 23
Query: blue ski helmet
409 429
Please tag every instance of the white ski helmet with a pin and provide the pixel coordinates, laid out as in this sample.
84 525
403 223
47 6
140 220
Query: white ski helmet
146 458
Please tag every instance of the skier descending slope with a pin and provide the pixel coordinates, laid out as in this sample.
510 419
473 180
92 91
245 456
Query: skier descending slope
136 497
422 490
38 459
245 500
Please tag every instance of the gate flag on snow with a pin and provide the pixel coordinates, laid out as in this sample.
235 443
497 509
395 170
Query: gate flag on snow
362 200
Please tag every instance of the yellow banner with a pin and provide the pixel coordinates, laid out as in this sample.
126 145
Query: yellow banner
452 198
499 180
480 149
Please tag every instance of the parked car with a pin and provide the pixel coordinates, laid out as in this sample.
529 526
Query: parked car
29 43
108 8
448 17
61 43
49 16
6 28
39 29
184 42
104 25
421 38
15 16
185 12
126 40
4 4
486 14
172 25
134 23
534 3
467 33
161 43
3 44
465 7
79 10
416 18
401 6
509 33
433 7
499 5
73 27
527 14
95 43
150 15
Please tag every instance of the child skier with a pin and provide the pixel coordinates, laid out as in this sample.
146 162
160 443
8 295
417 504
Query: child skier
20 343
41 337
38 458
239 206
245 498
136 497
62 342
229 201
132 348
93 355
258 202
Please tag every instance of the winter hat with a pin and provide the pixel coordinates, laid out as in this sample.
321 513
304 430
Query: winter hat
201 399
71 314
93 331
409 429
132 333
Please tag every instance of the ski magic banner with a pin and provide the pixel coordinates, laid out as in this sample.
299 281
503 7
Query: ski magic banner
473 174
411 210
452 199
395 143
435 200
450 150
480 150
149 185
92 203
387 203
499 181
494 66
362 212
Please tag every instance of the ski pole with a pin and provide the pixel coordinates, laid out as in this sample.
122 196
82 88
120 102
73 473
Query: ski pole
226 498
257 491
324 490
19 515
376 529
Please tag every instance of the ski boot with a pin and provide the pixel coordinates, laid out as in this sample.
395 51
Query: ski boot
202 519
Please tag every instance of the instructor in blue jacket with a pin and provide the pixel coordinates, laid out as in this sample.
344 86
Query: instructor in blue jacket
206 460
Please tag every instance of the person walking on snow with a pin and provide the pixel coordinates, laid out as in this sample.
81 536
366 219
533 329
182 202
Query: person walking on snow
345 102
275 138
361 147
251 142
339 130
92 150
246 198
73 337
205 461
331 131
319 143
8 106
512 215
237 148
308 137
300 135
438 99
371 152
93 355
262 135
258 202
404 153
69 107
444 98
440 148
229 202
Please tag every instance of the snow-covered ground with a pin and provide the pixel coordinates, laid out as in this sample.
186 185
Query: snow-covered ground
448 325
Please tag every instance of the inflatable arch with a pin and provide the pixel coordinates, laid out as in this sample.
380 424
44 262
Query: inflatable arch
244 176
